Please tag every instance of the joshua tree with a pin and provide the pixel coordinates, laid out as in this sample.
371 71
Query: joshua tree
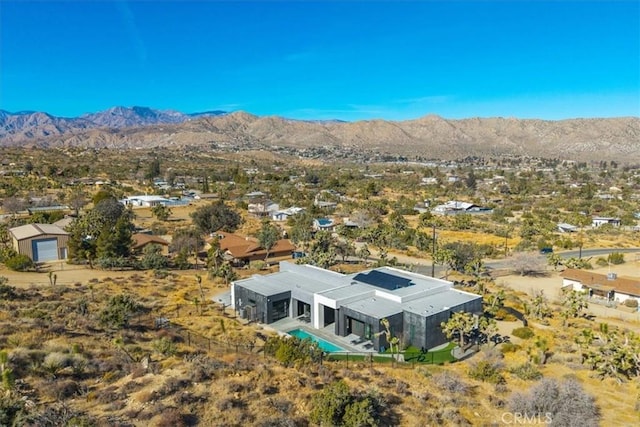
574 304
394 342
538 308
459 325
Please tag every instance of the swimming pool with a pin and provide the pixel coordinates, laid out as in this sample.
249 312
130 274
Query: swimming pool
324 345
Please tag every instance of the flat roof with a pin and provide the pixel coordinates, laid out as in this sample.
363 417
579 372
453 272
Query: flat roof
349 290
436 303
285 281
376 307
425 295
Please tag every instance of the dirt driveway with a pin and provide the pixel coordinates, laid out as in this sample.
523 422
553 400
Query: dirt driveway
66 275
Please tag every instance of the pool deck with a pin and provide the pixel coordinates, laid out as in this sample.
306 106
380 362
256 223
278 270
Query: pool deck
326 333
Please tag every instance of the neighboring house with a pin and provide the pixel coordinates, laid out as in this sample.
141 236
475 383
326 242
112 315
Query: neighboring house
263 208
563 227
422 207
354 304
255 194
323 224
454 207
146 201
56 208
325 204
347 223
598 221
284 215
40 242
605 286
140 241
429 180
151 201
242 250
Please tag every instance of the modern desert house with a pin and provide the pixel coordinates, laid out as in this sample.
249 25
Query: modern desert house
414 304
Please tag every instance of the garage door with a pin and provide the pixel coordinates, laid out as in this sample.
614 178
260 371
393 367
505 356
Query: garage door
45 249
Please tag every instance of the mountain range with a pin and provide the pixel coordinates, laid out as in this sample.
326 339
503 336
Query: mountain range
429 137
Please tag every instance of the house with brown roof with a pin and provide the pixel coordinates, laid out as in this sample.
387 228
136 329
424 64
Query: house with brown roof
242 250
140 241
606 286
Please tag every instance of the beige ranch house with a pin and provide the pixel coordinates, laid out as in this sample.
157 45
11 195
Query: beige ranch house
605 286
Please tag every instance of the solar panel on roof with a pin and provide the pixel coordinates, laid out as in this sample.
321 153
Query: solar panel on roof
383 280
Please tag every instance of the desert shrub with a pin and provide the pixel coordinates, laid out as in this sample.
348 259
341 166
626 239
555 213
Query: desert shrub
615 258
502 314
451 383
236 387
160 273
159 229
291 350
387 382
564 403
19 262
165 346
147 396
283 421
523 333
486 371
526 371
118 311
509 347
171 417
7 292
187 398
402 388
337 405
62 390
228 403
269 389
11 410
108 395
601 262
173 385
257 265
55 361
111 263
58 414
152 258
487 367
631 302
280 404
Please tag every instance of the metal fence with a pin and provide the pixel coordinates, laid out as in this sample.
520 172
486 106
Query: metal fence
162 319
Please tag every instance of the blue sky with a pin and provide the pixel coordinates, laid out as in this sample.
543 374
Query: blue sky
322 60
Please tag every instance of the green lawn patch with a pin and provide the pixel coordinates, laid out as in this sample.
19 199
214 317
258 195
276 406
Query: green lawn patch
411 355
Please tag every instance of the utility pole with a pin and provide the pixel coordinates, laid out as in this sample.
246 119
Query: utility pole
433 254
